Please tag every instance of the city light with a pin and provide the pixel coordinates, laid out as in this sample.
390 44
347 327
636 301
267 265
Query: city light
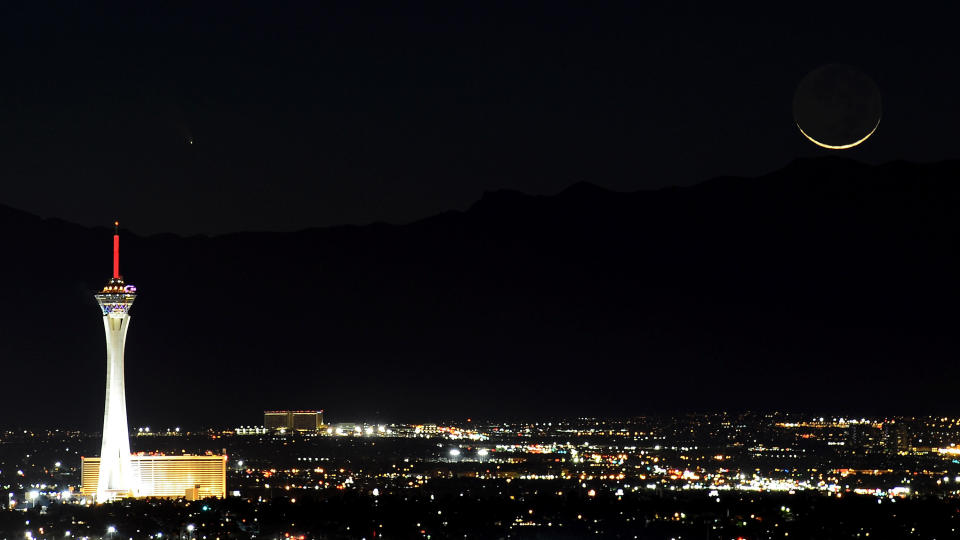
602 460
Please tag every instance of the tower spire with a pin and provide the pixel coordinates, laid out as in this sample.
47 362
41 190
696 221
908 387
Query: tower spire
116 250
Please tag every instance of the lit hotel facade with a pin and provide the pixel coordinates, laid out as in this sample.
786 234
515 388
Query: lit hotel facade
190 477
293 420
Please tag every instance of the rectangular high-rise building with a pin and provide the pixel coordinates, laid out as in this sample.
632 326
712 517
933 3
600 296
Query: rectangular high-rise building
306 420
191 477
293 420
277 419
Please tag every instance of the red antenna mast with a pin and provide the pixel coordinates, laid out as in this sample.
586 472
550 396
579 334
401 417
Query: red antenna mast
116 250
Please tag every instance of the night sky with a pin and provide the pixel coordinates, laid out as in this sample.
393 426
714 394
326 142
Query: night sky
221 117
761 289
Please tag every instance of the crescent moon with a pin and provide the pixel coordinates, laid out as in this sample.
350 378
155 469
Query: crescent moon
842 146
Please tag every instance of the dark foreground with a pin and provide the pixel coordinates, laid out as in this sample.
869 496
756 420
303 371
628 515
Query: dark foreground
460 509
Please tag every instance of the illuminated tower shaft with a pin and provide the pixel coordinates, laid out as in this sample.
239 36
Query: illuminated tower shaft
116 477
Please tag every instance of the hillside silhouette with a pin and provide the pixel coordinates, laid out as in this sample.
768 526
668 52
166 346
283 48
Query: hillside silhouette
829 285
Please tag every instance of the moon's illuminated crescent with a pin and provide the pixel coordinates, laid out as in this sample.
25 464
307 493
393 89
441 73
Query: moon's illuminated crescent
842 146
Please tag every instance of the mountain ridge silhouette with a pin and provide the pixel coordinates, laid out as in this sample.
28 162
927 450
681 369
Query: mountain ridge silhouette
828 285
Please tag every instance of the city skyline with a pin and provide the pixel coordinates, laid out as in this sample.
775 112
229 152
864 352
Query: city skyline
661 474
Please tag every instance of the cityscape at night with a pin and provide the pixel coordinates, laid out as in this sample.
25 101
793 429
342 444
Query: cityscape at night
479 271
746 475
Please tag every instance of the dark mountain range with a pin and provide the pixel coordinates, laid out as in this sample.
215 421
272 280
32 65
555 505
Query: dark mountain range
826 286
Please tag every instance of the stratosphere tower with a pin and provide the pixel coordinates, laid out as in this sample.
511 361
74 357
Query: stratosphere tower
116 474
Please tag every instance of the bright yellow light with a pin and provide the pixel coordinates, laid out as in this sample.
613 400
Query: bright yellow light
842 146
166 476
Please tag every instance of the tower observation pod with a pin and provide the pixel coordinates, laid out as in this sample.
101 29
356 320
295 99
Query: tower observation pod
116 478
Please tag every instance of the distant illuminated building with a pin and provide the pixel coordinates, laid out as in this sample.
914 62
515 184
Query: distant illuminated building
190 477
276 419
306 420
251 430
347 428
293 420
897 437
426 430
357 430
